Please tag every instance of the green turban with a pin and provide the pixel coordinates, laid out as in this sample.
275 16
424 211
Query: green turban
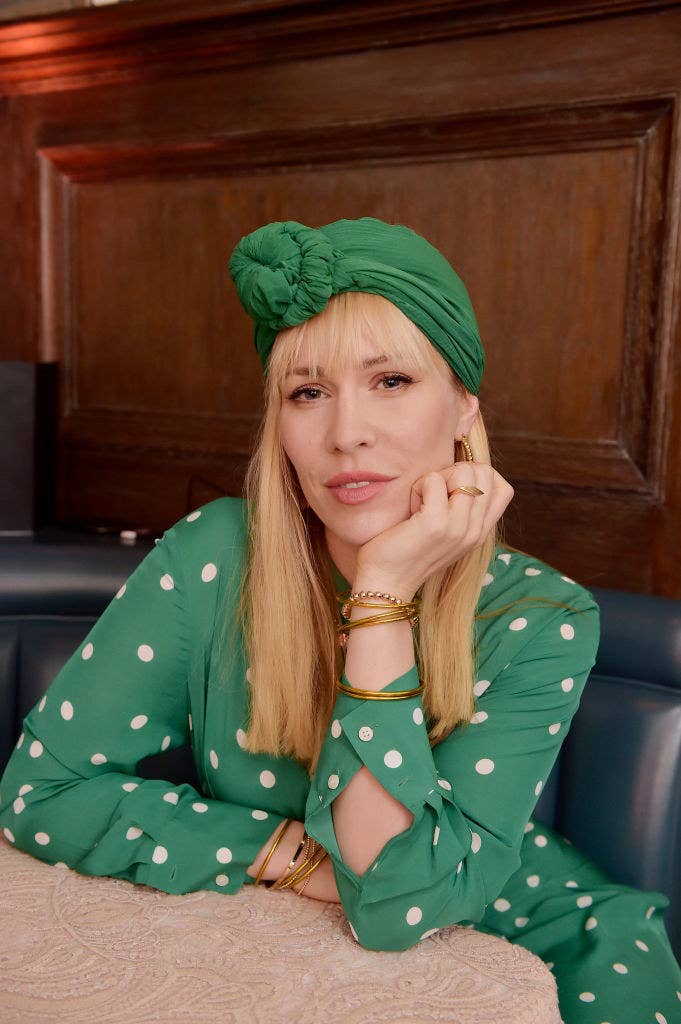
285 273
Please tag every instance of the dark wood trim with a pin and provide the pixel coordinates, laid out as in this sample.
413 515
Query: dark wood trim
153 37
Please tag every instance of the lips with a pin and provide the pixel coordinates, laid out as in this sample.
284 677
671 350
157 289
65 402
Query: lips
358 476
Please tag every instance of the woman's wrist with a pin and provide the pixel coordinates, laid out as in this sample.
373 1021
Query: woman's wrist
281 857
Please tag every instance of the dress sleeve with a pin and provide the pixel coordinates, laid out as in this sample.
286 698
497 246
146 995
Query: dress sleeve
70 792
471 795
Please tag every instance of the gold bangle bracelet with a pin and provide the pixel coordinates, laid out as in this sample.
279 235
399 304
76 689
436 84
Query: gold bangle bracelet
308 846
378 695
275 844
305 869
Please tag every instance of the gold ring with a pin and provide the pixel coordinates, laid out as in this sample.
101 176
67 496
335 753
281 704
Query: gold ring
467 490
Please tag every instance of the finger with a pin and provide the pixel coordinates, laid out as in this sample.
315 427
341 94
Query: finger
431 488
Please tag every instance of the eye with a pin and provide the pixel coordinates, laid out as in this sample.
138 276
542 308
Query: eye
395 376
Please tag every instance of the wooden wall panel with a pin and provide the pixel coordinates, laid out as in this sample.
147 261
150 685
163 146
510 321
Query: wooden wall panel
543 162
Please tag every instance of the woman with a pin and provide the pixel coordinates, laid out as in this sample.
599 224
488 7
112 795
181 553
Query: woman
374 685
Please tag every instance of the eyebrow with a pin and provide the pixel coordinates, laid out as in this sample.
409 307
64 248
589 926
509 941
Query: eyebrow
304 371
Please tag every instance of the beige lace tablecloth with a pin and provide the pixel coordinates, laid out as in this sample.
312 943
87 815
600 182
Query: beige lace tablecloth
76 948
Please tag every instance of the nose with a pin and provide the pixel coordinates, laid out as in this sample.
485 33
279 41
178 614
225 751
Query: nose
348 425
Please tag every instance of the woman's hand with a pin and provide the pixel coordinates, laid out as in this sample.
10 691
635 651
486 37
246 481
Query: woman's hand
442 527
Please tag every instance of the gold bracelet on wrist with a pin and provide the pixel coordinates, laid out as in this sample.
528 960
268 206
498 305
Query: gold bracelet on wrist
275 844
302 848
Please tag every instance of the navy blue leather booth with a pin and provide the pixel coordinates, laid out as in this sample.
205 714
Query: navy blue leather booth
615 790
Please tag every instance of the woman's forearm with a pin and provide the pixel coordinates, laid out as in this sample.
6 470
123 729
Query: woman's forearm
365 815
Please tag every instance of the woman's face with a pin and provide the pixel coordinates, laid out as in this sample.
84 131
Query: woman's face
379 418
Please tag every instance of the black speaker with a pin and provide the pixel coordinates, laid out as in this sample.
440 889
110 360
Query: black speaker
28 446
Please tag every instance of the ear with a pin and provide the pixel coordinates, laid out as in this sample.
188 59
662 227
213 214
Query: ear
469 413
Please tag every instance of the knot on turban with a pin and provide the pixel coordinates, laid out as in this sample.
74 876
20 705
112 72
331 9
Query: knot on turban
286 272
283 273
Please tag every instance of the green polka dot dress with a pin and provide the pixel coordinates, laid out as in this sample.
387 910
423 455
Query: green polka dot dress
148 678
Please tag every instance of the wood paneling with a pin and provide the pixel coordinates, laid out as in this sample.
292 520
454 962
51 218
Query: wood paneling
543 161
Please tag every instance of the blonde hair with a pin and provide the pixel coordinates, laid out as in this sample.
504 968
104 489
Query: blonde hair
287 603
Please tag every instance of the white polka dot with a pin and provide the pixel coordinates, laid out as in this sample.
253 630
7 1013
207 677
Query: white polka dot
138 721
478 717
520 922
200 808
98 759
584 901
567 631
549 964
444 783
484 766
8 835
518 624
502 905
222 879
193 515
532 881
42 703
587 997
209 572
487 579
436 835
431 931
649 912
20 740
224 855
66 710
119 593
393 759
166 743
191 724
25 789
414 915
18 805
660 1018
567 579
129 786
167 581
241 737
336 729
532 572
87 651
160 855
572 885
504 558
417 716
620 968
133 832
481 686
590 923
642 945
553 729
36 748
333 781
529 826
249 676
145 652
567 684
267 779
537 788
171 798
259 815
42 838
354 933
213 759
476 842
540 840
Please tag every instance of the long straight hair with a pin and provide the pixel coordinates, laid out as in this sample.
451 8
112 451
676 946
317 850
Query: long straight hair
287 604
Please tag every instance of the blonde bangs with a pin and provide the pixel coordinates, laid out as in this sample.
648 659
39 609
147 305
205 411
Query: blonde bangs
336 341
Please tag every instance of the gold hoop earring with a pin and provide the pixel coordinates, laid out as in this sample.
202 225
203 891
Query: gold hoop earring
468 454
